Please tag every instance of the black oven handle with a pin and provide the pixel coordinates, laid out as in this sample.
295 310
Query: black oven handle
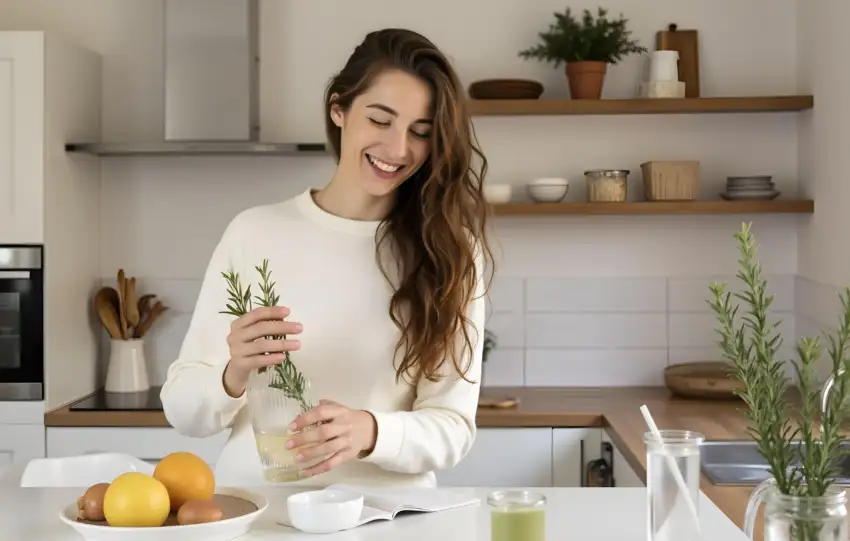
20 257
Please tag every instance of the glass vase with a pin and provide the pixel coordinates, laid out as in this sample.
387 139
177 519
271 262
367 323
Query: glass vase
798 518
273 406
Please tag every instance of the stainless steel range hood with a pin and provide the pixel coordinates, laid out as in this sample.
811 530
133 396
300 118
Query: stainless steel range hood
211 54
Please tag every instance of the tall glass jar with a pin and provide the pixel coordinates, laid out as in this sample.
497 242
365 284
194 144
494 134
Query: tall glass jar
517 515
275 397
798 518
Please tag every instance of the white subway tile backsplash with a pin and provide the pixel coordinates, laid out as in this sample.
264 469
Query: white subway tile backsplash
589 330
624 294
698 330
586 331
691 293
505 367
595 367
505 295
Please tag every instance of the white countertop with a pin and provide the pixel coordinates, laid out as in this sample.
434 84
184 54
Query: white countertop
589 514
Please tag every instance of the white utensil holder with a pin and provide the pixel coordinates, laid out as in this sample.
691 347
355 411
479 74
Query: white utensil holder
127 372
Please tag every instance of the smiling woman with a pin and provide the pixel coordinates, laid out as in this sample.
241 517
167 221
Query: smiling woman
380 275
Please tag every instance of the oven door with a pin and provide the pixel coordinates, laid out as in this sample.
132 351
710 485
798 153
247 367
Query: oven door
21 323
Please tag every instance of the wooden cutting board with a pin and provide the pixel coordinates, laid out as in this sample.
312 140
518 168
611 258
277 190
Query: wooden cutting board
686 42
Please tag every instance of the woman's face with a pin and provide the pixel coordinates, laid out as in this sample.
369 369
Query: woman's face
385 133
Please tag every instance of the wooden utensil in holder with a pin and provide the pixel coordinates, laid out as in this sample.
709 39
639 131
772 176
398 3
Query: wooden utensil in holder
704 379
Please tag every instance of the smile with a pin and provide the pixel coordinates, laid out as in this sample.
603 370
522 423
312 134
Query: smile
382 165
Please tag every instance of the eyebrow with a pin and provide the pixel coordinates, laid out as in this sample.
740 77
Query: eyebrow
393 112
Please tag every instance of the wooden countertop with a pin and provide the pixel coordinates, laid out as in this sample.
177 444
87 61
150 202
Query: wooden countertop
616 409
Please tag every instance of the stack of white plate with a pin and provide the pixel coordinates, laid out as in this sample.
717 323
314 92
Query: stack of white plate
755 187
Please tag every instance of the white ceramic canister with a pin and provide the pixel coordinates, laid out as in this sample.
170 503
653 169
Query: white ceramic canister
664 66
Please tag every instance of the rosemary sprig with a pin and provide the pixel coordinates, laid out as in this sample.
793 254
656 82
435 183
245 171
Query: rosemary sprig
286 377
750 348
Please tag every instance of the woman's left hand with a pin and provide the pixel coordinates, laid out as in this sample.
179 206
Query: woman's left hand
342 436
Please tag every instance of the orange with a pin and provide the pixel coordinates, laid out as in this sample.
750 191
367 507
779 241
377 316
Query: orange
187 477
136 500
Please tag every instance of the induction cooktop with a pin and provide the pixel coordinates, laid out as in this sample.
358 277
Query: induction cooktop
103 401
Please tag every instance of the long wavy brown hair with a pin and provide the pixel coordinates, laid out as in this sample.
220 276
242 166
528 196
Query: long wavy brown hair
436 229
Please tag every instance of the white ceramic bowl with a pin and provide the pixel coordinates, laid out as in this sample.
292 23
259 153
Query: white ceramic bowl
223 530
498 193
548 190
324 511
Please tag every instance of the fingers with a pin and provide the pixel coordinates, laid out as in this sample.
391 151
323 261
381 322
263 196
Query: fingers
260 347
326 448
260 314
318 434
258 361
322 412
329 463
268 328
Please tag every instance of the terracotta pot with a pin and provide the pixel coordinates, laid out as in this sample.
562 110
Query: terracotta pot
586 79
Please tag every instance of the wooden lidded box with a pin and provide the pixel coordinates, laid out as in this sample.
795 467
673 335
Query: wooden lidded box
670 180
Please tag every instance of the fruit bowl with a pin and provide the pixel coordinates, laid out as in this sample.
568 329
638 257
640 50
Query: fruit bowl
241 509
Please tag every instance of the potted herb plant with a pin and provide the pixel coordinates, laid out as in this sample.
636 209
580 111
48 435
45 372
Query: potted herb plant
800 445
586 46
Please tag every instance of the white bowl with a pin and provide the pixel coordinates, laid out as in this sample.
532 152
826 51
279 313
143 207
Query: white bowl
324 511
222 530
498 193
548 190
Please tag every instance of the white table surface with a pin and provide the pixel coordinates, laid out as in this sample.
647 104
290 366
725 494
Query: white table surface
589 514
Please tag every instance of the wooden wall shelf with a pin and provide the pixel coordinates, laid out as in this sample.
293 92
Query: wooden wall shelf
798 206
752 104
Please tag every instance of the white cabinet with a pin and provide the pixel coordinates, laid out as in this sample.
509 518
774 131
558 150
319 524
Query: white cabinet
20 443
572 448
149 444
520 457
624 474
21 137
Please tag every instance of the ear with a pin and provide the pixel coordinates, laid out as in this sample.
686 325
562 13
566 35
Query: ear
337 115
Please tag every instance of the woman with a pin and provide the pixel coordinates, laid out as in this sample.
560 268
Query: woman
380 275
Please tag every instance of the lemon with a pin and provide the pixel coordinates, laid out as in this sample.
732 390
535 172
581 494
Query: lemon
136 500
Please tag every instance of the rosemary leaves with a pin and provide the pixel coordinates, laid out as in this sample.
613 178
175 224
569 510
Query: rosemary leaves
751 350
286 377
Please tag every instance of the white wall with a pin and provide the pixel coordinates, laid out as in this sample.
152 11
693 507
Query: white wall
649 275
824 259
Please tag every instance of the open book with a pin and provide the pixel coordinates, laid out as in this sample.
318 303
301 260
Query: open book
384 503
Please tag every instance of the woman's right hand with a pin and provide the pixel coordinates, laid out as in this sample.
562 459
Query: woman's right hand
249 349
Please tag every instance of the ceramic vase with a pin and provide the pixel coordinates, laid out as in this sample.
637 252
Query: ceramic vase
127 371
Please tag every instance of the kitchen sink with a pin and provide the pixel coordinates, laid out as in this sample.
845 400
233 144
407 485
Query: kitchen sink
738 462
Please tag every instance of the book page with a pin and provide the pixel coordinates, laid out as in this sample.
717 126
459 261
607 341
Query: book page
393 500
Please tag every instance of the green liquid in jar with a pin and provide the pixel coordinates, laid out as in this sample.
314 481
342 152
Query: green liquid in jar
518 524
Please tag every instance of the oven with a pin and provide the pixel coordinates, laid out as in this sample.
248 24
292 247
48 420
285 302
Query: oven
21 322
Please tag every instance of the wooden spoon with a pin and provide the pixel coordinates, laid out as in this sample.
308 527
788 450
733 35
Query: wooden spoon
104 301
144 308
122 295
132 307
155 312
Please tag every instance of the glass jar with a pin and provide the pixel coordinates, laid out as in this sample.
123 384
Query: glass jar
275 397
517 515
607 185
798 518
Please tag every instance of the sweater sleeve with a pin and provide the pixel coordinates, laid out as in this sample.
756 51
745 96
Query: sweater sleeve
440 429
193 396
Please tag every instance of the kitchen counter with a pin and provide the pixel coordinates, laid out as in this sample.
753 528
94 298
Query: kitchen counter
572 513
616 409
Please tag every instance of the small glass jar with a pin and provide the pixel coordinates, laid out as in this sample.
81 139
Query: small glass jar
517 515
797 518
607 185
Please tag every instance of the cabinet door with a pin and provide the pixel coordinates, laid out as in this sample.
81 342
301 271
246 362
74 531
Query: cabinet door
572 449
148 444
504 457
624 474
20 443
21 137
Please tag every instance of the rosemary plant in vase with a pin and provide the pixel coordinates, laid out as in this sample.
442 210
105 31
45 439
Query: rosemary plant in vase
275 394
800 445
